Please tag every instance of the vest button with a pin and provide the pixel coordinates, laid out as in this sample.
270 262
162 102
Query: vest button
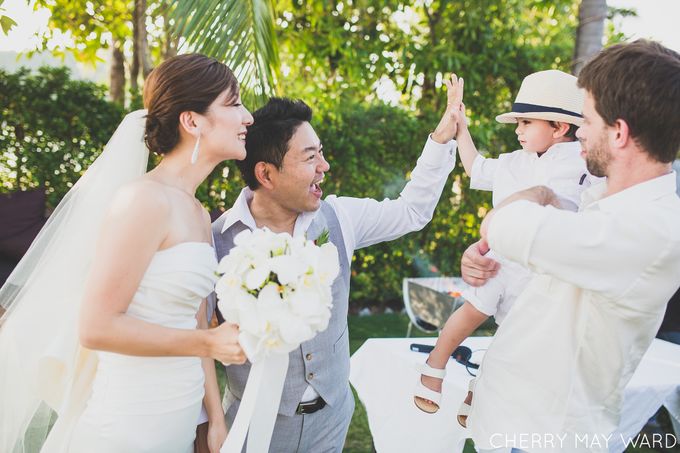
310 376
308 356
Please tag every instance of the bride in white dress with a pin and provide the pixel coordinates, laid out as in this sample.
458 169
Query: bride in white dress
123 268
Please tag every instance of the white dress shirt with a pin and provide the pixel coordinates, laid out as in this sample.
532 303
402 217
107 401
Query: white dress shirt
558 365
366 221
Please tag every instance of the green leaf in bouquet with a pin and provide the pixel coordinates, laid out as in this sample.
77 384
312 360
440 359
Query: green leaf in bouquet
323 238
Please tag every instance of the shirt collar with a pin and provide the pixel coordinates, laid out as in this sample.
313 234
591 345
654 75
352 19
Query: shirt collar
562 150
644 191
240 212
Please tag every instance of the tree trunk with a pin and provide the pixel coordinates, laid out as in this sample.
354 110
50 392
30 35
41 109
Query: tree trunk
117 76
141 43
170 41
134 66
591 16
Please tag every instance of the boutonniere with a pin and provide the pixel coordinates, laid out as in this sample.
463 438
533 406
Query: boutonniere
323 238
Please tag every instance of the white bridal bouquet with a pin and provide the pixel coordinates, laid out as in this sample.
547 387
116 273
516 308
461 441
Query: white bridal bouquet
277 288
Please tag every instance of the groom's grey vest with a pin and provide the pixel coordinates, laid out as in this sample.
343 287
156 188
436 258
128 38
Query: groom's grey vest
323 361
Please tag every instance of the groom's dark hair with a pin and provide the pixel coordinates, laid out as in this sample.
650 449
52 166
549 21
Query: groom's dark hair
267 139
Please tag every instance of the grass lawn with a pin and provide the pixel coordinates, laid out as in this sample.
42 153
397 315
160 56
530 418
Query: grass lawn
359 438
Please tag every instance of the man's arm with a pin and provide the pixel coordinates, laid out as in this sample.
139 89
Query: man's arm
541 195
476 268
591 249
372 221
369 221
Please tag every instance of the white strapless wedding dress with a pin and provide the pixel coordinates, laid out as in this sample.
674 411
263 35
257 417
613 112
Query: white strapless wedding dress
152 404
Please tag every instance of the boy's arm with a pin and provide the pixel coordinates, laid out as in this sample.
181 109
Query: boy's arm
466 148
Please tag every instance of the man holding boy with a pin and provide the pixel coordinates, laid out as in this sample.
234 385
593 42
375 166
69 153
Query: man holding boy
554 376
547 113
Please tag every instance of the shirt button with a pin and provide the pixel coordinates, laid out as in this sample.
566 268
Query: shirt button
310 376
308 356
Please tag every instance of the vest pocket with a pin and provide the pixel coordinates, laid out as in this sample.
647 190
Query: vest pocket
342 343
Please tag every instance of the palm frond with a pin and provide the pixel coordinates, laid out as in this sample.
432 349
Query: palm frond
238 32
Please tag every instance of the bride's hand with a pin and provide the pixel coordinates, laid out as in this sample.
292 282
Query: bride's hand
217 434
224 345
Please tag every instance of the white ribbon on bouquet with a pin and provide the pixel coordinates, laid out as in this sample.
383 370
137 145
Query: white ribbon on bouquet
278 290
260 404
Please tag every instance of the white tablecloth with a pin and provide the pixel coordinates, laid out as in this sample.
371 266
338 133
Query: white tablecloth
384 375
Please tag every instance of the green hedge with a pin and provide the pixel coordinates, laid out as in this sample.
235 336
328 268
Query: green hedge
372 150
53 128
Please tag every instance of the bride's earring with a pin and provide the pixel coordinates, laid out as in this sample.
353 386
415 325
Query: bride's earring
194 155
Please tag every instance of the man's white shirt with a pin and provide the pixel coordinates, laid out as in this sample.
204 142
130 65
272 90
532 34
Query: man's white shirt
366 221
560 361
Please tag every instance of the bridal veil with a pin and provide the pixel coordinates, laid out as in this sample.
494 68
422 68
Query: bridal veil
44 372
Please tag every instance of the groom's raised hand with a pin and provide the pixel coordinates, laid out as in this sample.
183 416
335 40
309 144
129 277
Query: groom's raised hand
448 126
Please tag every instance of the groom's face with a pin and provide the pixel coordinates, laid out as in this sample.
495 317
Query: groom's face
298 182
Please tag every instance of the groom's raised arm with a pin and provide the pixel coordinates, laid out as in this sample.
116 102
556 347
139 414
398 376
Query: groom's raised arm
372 221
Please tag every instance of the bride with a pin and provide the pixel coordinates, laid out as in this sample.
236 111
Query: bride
122 268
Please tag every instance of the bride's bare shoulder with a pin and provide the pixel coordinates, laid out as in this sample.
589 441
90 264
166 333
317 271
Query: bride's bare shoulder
142 198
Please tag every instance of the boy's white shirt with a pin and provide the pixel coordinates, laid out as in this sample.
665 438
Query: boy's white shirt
562 169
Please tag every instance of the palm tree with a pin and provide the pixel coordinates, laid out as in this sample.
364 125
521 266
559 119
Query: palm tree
238 32
591 16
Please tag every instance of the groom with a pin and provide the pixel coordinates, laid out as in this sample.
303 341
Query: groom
284 170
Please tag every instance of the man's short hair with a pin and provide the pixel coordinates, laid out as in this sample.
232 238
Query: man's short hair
640 84
267 139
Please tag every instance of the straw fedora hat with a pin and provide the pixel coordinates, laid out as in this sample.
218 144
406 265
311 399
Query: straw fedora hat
547 95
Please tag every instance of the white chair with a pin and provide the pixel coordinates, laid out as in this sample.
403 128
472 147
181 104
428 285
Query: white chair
430 301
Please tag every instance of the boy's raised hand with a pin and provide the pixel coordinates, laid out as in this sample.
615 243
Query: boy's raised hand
448 126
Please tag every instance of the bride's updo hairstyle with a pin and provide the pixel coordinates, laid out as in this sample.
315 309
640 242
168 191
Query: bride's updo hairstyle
189 82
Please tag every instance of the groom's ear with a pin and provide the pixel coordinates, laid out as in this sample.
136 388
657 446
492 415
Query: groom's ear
263 174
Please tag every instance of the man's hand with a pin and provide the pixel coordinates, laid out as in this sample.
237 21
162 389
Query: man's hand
475 268
541 195
448 126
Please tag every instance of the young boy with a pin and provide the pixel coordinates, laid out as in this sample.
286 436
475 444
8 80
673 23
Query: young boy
547 112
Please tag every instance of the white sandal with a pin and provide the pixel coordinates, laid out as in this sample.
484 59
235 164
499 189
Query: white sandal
466 405
425 399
